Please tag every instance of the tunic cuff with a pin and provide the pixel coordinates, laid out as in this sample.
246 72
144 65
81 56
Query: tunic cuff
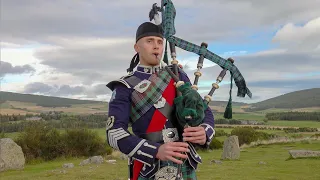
210 132
145 152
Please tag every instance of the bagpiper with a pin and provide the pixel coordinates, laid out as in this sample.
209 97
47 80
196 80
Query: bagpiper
168 117
159 147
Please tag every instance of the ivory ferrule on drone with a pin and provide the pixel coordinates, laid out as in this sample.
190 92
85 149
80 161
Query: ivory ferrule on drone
215 85
199 67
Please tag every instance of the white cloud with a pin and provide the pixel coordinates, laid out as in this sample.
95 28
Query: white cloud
300 37
9 45
92 43
24 55
87 42
18 56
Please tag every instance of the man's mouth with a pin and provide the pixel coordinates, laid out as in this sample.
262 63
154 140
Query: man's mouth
156 55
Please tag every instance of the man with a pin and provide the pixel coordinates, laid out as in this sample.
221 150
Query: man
145 100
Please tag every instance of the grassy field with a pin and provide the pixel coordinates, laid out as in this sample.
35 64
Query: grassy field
309 109
243 116
275 165
295 123
102 133
221 109
24 108
15 107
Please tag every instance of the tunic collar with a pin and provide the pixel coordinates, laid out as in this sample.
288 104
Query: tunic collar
148 69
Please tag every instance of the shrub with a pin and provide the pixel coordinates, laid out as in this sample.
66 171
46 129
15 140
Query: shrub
301 129
246 135
315 135
265 136
40 141
297 136
227 121
307 129
30 139
52 145
109 149
2 135
83 142
220 132
215 144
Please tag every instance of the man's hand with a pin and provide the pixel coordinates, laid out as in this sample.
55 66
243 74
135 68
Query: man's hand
170 150
195 135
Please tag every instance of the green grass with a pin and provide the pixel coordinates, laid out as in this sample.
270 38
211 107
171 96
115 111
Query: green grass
311 109
274 110
295 123
54 170
243 116
12 135
277 166
4 105
102 132
276 132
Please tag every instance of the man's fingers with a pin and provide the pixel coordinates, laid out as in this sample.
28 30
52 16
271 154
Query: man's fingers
179 149
193 129
178 155
179 144
197 141
193 134
194 138
174 160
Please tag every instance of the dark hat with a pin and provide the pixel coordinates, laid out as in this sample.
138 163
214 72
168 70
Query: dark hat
148 29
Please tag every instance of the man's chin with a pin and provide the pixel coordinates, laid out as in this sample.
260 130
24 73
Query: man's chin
155 63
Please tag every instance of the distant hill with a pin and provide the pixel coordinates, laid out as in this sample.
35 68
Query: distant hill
45 101
224 103
298 99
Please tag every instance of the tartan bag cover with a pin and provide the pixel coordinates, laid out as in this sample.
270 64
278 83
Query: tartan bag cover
142 102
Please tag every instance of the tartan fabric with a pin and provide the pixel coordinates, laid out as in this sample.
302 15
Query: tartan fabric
169 30
188 173
238 78
142 102
169 16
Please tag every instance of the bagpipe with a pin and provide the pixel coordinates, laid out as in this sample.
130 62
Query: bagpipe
190 106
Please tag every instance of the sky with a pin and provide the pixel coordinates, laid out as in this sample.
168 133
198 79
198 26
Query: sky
74 48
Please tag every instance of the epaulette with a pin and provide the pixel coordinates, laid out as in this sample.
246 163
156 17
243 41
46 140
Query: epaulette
112 84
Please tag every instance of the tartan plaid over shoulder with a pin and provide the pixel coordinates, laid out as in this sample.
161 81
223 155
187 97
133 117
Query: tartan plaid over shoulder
142 102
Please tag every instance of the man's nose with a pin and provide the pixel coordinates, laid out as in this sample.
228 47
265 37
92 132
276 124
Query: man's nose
156 45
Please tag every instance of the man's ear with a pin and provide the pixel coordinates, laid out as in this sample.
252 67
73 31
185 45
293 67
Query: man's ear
136 47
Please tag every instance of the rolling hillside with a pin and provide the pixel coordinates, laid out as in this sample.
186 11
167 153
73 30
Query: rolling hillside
12 103
298 99
46 101
224 103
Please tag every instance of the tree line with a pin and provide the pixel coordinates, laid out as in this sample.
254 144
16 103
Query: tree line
294 116
17 123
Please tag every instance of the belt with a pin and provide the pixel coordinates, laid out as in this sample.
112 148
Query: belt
153 136
171 135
